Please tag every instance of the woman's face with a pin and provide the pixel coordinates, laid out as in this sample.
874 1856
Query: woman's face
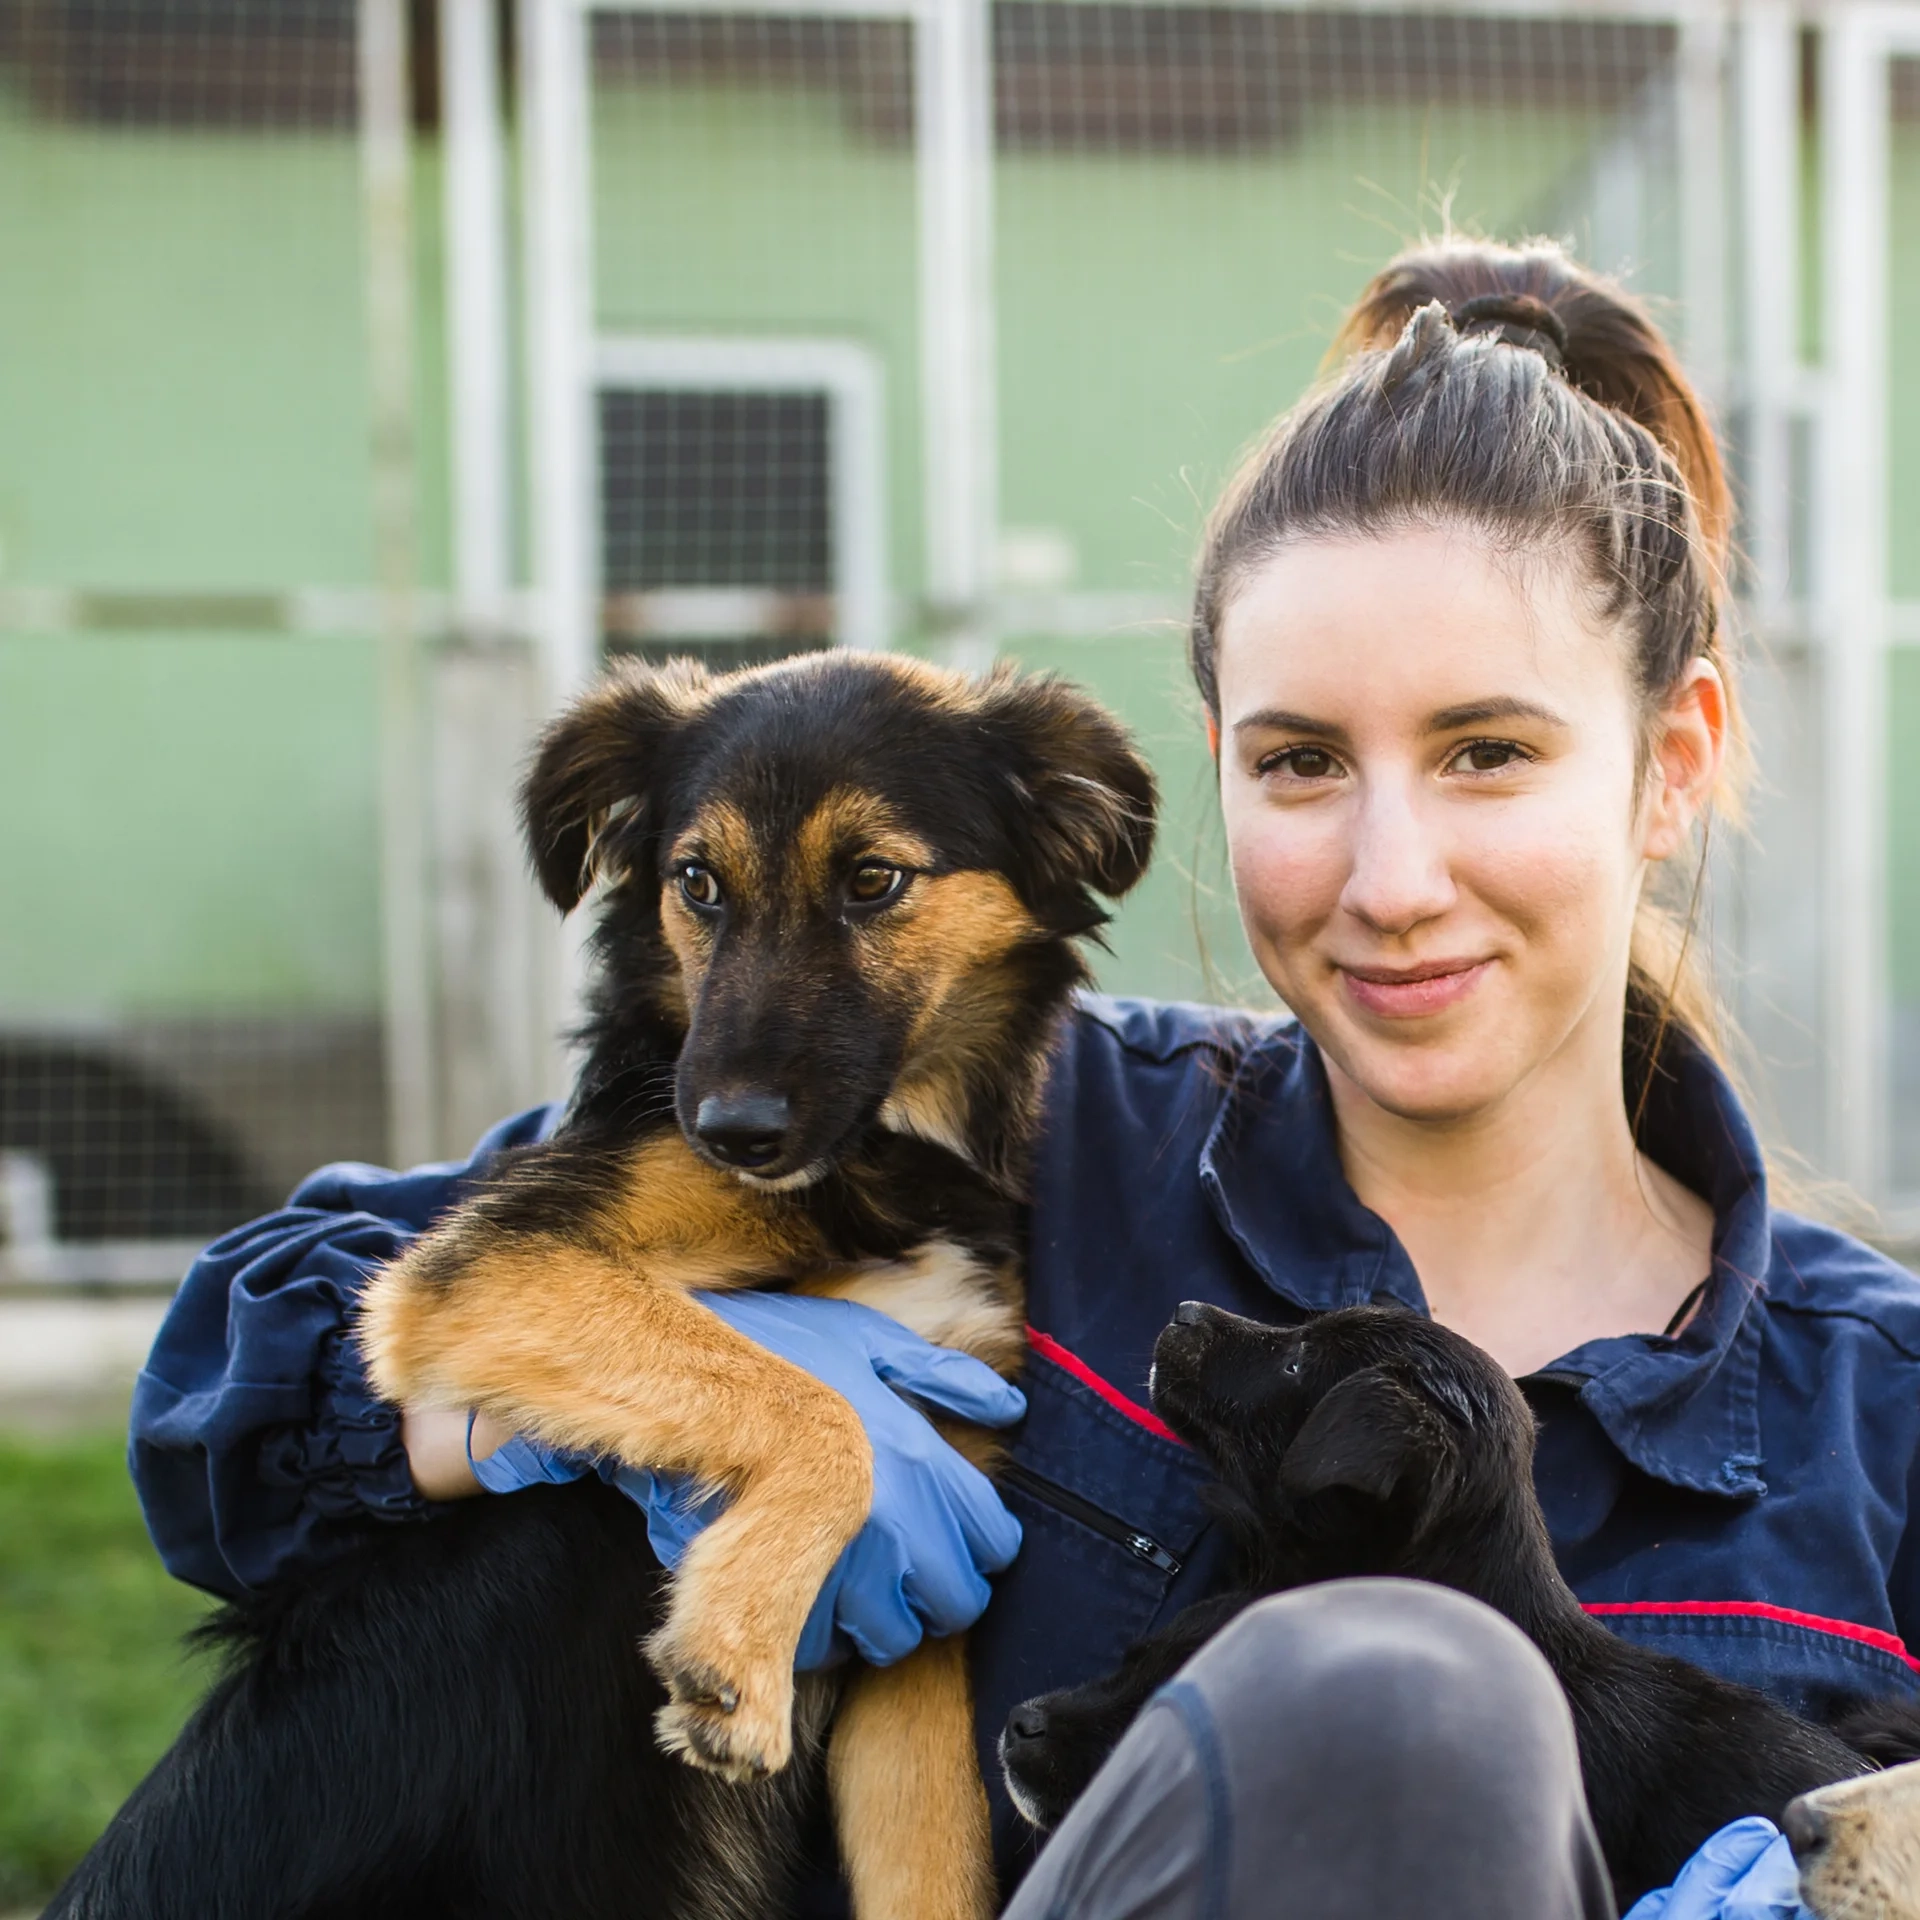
1428 772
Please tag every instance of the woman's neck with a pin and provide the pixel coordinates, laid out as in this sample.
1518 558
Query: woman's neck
1536 1225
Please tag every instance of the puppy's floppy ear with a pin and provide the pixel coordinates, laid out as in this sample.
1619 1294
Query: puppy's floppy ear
597 764
1085 798
1364 1434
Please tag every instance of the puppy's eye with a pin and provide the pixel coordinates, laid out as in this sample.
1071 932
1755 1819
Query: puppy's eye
1291 1366
873 883
699 886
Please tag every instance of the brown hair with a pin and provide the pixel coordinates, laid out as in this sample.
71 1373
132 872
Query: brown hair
1510 388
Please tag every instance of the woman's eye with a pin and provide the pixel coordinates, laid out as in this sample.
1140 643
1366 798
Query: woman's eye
699 886
874 882
1486 756
1302 763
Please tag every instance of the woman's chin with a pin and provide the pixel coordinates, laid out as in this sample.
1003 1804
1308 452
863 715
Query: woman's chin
1430 1082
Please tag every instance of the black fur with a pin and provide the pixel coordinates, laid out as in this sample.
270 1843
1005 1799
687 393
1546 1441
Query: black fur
455 1719
1372 1441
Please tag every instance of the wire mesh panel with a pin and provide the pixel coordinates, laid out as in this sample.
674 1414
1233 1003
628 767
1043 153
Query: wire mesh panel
189 974
717 511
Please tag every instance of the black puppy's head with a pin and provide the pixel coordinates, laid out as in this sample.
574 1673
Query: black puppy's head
847 886
1347 1441
1368 1441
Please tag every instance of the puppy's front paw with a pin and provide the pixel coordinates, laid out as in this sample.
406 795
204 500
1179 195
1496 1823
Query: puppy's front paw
733 1717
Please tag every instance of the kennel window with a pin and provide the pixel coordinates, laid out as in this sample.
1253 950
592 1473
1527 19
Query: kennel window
739 499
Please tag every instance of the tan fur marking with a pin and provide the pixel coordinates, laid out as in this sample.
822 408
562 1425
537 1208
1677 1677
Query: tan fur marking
722 837
945 1295
1870 1867
952 925
907 1796
599 1349
849 822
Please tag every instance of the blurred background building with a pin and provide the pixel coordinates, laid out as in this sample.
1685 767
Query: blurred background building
368 371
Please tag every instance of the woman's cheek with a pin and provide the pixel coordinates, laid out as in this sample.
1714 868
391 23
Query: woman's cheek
1288 870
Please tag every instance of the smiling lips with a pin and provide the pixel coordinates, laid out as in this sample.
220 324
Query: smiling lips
1407 993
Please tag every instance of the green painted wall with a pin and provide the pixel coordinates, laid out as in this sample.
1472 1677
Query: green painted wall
189 825
190 820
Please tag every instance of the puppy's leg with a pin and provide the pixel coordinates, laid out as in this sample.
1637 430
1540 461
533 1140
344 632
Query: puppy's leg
907 1795
582 1350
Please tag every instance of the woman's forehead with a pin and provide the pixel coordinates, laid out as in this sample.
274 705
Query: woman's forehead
1411 623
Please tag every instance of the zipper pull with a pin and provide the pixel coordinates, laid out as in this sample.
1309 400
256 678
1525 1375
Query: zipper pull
1152 1552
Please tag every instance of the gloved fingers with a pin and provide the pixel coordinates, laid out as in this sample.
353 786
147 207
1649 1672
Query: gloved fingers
519 1462
821 1644
990 1534
944 1587
1711 1886
871 1606
954 1382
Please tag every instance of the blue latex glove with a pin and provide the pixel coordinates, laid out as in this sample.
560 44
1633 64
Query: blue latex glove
936 1528
1745 1872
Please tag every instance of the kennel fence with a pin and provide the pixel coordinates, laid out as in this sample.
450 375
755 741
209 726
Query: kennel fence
924 323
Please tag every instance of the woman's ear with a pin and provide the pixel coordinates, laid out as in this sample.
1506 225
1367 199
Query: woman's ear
597 767
1689 748
1086 798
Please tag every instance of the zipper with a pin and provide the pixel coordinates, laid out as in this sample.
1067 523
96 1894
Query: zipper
1051 1493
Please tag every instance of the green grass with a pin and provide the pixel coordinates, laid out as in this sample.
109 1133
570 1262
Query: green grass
93 1683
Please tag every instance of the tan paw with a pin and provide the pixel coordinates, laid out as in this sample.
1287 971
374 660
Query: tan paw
737 1722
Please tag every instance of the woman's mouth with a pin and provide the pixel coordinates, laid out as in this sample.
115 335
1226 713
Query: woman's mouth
1405 993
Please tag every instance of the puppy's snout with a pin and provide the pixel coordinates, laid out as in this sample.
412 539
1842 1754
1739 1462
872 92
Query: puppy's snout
1807 1828
746 1129
1190 1313
1027 1723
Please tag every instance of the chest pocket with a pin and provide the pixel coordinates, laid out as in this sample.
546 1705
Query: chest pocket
1809 1664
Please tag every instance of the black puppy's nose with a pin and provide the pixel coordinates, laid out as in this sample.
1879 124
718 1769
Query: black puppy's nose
1807 1829
1190 1313
1027 1721
744 1129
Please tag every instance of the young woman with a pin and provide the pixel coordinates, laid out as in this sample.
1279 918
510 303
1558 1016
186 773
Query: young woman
1458 637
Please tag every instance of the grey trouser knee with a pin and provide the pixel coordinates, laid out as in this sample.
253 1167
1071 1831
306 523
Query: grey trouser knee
1368 1748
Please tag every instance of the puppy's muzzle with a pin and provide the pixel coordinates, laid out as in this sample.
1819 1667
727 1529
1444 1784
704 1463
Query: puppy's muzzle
1807 1829
1026 1728
748 1130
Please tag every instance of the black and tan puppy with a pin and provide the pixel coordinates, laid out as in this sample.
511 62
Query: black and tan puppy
1372 1441
840 902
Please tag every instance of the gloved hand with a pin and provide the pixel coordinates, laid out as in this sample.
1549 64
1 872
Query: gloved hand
1745 1872
936 1528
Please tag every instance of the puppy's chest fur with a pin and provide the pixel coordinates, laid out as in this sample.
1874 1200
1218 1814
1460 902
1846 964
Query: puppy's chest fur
902 1225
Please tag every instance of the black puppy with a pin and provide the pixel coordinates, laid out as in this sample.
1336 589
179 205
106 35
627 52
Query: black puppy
1372 1441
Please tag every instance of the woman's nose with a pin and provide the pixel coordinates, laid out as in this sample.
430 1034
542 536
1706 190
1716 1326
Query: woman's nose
1399 872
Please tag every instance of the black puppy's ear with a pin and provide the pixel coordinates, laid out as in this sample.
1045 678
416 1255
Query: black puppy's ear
1362 1435
1086 798
596 763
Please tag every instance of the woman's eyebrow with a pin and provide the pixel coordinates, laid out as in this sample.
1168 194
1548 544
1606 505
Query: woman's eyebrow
1479 713
1279 720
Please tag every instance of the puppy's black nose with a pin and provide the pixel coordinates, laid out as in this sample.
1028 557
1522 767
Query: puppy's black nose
744 1129
1190 1313
1807 1828
1028 1721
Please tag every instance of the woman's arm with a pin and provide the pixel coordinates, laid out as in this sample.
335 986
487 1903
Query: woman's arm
257 1446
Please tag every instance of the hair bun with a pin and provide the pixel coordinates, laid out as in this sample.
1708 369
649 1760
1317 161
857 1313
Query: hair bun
1520 319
